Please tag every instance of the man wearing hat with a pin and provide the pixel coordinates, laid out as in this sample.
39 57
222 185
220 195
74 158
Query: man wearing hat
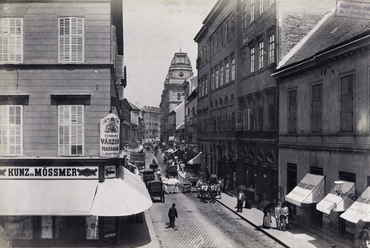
172 214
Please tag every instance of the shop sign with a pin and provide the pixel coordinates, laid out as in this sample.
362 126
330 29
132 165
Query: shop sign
109 136
137 157
110 171
52 172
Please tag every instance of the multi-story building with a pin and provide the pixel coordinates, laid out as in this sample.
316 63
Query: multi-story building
238 48
59 130
173 93
191 102
151 123
216 64
324 126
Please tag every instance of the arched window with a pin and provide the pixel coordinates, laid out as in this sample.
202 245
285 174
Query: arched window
178 96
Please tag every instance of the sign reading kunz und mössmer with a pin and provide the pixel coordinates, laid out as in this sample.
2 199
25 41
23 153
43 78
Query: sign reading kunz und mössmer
56 172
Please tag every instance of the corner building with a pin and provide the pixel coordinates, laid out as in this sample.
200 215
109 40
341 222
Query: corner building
60 76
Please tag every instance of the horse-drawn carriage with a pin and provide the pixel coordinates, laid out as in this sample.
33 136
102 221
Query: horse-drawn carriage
156 189
148 175
208 191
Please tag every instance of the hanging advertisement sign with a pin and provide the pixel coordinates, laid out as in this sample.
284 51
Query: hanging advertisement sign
92 227
109 136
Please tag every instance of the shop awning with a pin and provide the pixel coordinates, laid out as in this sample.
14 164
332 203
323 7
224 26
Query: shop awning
117 197
309 190
360 209
338 199
180 126
113 197
197 159
46 197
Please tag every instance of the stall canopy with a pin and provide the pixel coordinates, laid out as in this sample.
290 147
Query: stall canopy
309 190
197 159
360 209
113 197
338 199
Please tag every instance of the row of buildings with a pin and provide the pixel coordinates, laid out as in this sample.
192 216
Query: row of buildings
282 104
63 122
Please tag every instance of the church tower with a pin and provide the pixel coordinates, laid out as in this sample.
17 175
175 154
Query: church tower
173 93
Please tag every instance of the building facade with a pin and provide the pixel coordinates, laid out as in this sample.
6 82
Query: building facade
60 115
324 125
151 123
239 46
173 93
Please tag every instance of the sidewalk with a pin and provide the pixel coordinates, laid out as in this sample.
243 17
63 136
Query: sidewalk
295 236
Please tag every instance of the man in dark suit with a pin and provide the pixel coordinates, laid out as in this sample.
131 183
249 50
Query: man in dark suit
172 214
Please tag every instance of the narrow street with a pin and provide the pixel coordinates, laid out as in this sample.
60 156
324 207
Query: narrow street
202 224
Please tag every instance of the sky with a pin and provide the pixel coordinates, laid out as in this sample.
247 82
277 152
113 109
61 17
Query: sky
154 30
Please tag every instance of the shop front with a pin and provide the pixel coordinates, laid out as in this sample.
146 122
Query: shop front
358 214
335 203
64 202
308 192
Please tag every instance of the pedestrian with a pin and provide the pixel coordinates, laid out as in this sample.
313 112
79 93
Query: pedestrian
284 216
363 237
267 217
172 214
241 199
277 215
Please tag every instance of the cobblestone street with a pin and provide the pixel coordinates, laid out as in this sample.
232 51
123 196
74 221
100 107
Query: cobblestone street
203 224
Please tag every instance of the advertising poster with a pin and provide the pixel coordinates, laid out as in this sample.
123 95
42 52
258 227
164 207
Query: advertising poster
109 136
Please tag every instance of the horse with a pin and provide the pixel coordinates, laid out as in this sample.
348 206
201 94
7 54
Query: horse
204 192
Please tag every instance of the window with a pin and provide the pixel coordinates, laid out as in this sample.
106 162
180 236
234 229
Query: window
292 111
11 130
346 103
217 78
11 40
232 69
245 16
206 86
316 107
71 130
252 10
261 7
260 55
272 49
178 96
212 80
252 59
71 39
227 71
222 75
